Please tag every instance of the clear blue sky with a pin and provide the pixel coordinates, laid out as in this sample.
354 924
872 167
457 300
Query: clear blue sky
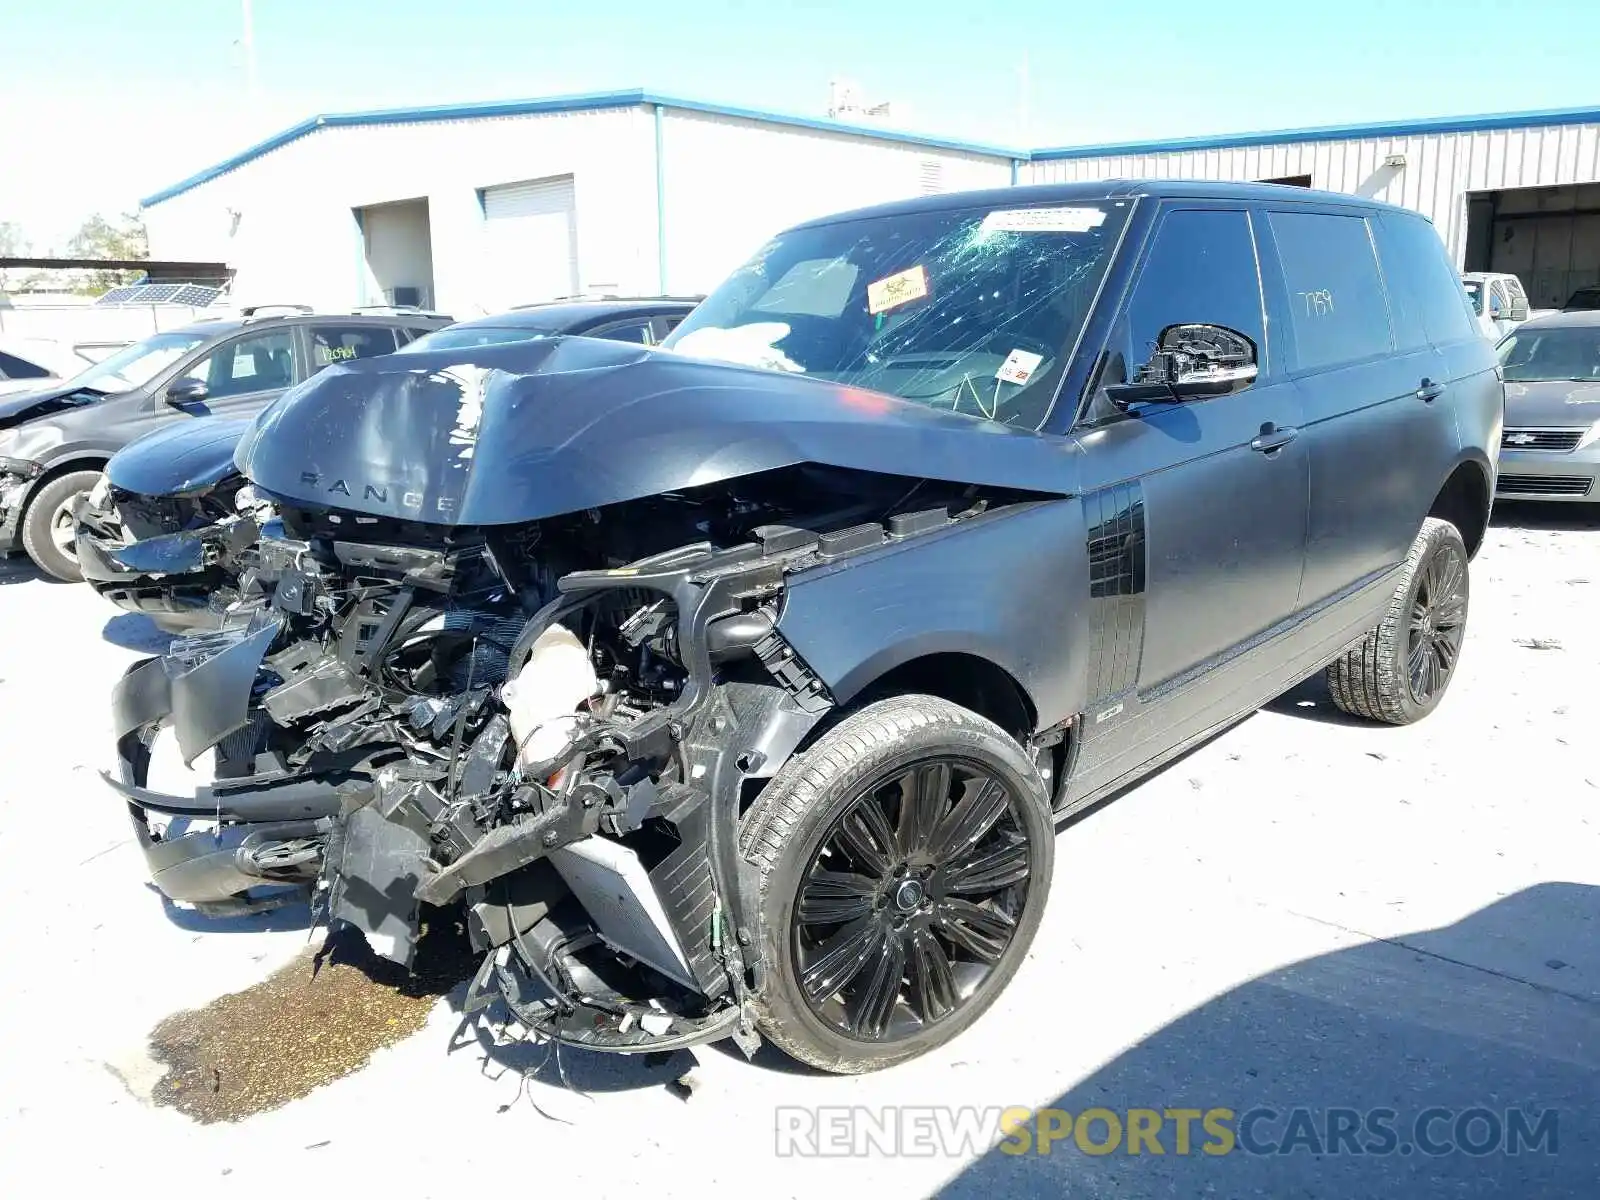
155 89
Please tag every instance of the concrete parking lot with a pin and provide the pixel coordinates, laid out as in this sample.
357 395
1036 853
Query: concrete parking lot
1307 911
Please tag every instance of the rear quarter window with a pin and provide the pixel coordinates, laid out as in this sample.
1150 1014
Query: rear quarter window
1415 258
1338 310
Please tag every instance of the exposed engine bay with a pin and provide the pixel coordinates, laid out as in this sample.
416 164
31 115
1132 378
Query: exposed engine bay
553 724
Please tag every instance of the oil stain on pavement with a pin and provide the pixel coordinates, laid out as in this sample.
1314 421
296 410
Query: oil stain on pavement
316 1020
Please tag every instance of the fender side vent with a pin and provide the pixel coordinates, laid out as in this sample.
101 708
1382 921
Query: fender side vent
911 524
849 541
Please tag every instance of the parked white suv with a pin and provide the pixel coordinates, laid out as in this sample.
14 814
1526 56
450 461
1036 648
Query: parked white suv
1498 300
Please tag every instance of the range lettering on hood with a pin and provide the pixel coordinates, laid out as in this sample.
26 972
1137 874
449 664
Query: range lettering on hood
372 492
502 435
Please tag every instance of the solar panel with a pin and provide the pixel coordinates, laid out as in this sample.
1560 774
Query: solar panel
193 294
196 294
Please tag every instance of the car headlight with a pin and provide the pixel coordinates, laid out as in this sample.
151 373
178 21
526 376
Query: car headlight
1589 438
100 493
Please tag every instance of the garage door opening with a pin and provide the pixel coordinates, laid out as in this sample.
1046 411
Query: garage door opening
1547 237
397 245
530 236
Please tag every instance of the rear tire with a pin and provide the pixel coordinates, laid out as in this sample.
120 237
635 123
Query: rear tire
48 529
1398 673
904 862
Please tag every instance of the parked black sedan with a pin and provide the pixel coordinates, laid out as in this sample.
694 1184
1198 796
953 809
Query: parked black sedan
55 442
169 529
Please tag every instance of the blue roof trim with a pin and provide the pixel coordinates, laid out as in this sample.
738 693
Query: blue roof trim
1331 133
636 97
586 102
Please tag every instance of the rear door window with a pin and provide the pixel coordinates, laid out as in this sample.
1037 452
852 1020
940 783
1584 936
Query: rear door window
1338 311
341 343
635 329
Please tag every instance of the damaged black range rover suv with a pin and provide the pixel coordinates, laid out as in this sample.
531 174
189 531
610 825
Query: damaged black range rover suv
739 684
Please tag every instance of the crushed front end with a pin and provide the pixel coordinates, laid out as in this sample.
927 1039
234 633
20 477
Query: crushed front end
553 725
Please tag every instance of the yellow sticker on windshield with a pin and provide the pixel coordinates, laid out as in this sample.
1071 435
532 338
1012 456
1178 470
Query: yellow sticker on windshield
898 289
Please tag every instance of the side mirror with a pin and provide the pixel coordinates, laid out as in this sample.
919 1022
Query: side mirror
1190 361
1519 310
187 391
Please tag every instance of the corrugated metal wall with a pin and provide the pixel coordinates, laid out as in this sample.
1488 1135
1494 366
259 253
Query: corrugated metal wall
1441 168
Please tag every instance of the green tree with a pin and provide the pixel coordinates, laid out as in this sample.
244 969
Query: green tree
12 245
99 238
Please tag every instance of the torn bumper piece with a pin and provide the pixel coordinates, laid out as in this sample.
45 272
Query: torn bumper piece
270 829
172 578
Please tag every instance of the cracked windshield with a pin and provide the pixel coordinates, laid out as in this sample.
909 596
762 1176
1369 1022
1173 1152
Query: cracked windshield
972 310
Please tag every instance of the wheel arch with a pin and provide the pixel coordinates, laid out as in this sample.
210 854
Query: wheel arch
1466 501
961 676
87 460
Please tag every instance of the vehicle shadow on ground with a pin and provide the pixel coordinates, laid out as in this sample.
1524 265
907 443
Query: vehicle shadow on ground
508 1050
562 1067
1498 1012
1310 700
20 569
136 631
1531 514
289 918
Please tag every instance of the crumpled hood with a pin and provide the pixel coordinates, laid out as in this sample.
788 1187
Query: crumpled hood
1556 404
505 434
18 408
178 458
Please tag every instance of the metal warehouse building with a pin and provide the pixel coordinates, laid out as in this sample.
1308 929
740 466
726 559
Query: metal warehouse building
1517 192
478 207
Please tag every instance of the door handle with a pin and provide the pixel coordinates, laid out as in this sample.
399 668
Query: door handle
1273 437
1430 391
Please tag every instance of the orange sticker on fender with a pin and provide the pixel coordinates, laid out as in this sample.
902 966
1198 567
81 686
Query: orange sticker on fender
898 289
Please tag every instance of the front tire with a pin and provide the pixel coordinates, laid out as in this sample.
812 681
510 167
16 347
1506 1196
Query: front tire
49 532
904 863
1398 673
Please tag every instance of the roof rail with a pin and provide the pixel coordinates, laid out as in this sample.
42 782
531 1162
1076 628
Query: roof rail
408 310
260 310
584 297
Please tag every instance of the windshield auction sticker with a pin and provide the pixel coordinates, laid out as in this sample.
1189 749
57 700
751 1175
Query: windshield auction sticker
898 289
1043 220
1019 367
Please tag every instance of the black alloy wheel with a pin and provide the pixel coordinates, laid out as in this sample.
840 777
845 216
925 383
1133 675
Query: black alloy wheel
911 899
1399 672
1438 621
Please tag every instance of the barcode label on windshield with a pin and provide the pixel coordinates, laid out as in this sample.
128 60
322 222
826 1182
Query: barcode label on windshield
1044 220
